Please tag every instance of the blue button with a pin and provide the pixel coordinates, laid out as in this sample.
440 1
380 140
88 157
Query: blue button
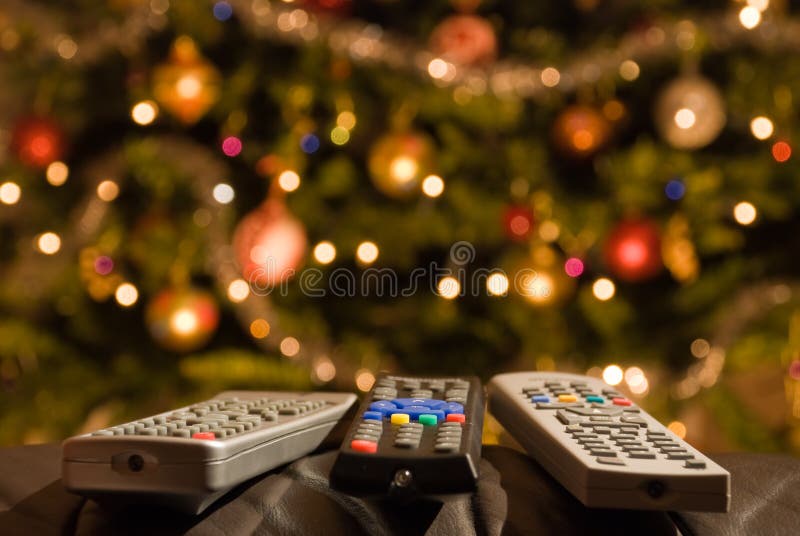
383 406
425 402
373 416
598 399
540 398
453 407
415 411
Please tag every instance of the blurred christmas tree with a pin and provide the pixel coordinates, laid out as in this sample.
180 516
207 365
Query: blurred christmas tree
208 195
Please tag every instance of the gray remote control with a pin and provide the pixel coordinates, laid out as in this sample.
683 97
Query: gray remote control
602 447
189 457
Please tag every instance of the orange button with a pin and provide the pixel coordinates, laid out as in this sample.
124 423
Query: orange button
364 446
204 435
621 401
456 417
567 398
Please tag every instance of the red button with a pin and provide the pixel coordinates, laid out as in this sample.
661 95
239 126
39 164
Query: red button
204 435
364 446
621 401
456 417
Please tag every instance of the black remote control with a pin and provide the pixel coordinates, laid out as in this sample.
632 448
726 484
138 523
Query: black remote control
413 436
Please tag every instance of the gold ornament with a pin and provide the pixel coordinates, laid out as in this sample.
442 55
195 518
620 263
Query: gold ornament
187 85
690 112
398 163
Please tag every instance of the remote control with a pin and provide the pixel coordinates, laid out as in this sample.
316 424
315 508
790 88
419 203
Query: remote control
413 436
604 448
189 457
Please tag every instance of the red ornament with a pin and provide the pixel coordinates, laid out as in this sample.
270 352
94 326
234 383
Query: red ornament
633 250
182 319
518 222
269 244
464 40
339 7
38 141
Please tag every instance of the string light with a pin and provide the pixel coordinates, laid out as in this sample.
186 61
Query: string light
573 267
448 288
367 252
144 112
289 181
750 17
48 243
538 288
238 290
325 252
677 428
685 118
437 68
744 213
700 348
183 321
126 294
433 186
761 127
325 370
57 173
403 168
10 192
781 151
497 284
760 5
629 70
549 231
231 146
340 135
604 289
612 375
223 193
550 76
364 380
107 190
346 119
188 86
259 328
290 347
634 376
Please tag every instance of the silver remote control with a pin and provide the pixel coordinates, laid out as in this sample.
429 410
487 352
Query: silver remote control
602 447
189 457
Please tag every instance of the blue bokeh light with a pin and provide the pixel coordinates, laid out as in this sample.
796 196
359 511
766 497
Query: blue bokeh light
675 189
309 143
222 11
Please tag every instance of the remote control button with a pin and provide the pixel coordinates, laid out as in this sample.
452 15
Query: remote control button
578 383
384 406
601 453
695 464
360 445
679 456
567 398
445 447
588 412
414 425
673 449
602 430
452 407
600 418
103 433
406 442
366 437
269 415
456 417
610 461
182 432
632 419
400 418
585 436
630 430
410 384
204 435
632 409
431 403
642 455
421 393
409 435
540 399
414 412
567 418
219 433
595 398
618 401
574 428
656 433
373 415
611 392
428 419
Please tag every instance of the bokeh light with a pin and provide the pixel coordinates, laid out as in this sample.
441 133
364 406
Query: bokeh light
289 181
126 294
745 213
550 76
433 186
48 243
781 151
57 173
309 143
685 118
497 284
365 379
259 328
10 193
238 290
749 17
231 146
612 375
761 127
700 348
367 252
604 289
290 347
573 267
107 190
223 193
448 288
144 112
325 252
675 190
677 428
222 11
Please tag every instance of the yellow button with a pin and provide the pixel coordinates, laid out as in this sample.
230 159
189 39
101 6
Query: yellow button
567 398
401 418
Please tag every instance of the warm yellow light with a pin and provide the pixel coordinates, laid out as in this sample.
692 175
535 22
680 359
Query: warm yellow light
324 252
367 252
612 375
433 186
66 47
57 173
340 135
448 288
437 68
677 428
346 119
364 380
403 168
259 328
223 193
538 288
550 76
126 294
760 5
745 213
700 348
49 243
497 284
750 17
289 181
685 118
188 86
325 370
640 388
290 346
604 289
761 127
634 377
144 112
107 190
10 192
238 290
549 231
183 321
629 70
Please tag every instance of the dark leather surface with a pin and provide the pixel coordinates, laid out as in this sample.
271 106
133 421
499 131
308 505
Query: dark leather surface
515 496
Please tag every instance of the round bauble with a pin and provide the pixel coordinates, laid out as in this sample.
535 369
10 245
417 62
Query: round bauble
270 244
690 112
464 40
398 163
182 319
581 131
633 250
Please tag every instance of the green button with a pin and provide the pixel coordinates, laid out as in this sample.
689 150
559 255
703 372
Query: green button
598 399
427 420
